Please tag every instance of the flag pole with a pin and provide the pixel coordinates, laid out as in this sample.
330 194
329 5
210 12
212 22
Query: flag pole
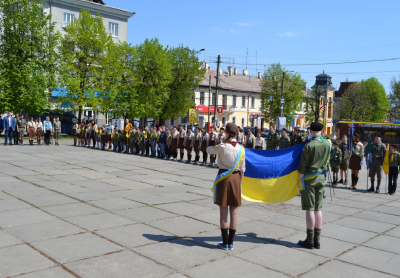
386 185
367 176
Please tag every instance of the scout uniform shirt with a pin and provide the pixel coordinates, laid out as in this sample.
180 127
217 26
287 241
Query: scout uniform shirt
175 134
227 155
336 158
197 137
240 138
284 142
272 140
394 159
250 141
169 139
212 137
154 136
21 124
57 125
378 152
182 134
31 124
259 142
297 139
190 137
75 128
221 138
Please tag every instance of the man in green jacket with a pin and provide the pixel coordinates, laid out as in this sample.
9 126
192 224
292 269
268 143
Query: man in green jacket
335 161
394 163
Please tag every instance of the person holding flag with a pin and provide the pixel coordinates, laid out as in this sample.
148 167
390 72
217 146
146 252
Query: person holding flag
357 153
394 163
378 154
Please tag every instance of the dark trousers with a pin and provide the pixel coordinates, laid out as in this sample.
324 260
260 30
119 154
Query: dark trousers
147 147
9 134
47 137
16 136
393 174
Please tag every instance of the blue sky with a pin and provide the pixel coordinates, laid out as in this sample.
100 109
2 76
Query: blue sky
290 32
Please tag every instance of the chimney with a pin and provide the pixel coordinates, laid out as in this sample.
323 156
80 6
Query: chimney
259 75
229 71
209 68
245 72
235 71
206 65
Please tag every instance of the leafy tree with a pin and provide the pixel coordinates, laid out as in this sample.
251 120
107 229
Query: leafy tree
271 87
28 55
359 100
84 50
395 97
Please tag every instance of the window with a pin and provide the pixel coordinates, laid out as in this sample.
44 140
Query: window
242 121
213 99
330 110
223 121
243 101
202 98
68 19
113 29
234 119
253 100
233 101
224 101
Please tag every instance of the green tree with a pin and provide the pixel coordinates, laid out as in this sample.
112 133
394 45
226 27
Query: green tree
360 99
271 87
84 49
28 55
394 97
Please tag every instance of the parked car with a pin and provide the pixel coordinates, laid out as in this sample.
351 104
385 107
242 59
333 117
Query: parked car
246 128
265 133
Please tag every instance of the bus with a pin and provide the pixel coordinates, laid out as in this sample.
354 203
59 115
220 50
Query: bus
389 131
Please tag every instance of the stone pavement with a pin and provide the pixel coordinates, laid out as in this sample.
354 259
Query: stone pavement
74 212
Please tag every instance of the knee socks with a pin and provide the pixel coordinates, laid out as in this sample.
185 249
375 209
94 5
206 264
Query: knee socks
231 236
317 234
224 233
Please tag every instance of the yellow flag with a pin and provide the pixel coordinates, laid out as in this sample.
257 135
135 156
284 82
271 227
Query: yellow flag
385 165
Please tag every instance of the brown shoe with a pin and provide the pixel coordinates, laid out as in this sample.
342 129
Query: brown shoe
351 187
354 186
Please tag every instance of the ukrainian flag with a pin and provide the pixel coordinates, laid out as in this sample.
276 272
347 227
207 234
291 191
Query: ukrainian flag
271 176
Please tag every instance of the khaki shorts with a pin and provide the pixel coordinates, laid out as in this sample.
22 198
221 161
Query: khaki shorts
313 195
334 168
56 134
375 169
343 165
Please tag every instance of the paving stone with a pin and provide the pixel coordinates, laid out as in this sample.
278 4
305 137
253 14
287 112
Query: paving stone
145 214
182 254
340 209
13 204
231 267
368 198
182 226
373 259
23 216
385 243
122 264
355 204
294 263
91 196
21 259
395 232
54 272
116 204
49 200
70 210
135 235
99 221
44 231
379 217
287 221
388 209
183 208
336 268
366 225
347 234
143 196
7 239
327 217
76 247
266 231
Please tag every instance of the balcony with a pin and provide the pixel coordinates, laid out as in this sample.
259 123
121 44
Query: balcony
230 108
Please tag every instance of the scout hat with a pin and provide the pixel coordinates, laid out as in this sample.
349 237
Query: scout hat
394 146
316 126
356 135
284 129
335 143
231 129
379 135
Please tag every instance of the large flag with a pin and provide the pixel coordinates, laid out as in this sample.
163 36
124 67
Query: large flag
368 153
271 176
347 155
385 165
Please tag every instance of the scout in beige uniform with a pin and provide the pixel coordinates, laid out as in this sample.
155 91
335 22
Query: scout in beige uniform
197 144
174 142
181 145
93 134
250 140
212 140
240 137
31 125
39 131
75 131
378 154
204 145
259 142
189 143
356 160
227 192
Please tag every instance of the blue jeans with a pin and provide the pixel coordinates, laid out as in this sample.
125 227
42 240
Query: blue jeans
162 149
153 148
9 134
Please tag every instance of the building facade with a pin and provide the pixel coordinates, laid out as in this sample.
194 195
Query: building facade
326 104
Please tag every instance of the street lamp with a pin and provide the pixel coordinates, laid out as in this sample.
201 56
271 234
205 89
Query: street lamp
197 52
283 90
323 118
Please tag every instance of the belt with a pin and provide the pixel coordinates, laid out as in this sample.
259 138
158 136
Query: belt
377 158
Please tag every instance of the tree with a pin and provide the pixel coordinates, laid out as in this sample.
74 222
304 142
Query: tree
28 56
271 87
359 100
394 96
84 49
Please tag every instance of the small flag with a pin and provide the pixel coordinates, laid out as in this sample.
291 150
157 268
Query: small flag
368 153
385 165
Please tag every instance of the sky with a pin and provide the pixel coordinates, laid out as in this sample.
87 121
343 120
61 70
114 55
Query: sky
293 33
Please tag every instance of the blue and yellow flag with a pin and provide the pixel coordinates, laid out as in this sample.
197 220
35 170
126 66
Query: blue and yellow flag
271 176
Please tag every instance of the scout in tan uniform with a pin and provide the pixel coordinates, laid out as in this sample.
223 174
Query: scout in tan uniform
31 130
75 131
259 142
284 140
204 145
93 134
343 165
57 130
21 129
221 135
174 143
212 140
181 145
240 137
197 144
189 143
227 192
356 160
39 131
250 140
378 154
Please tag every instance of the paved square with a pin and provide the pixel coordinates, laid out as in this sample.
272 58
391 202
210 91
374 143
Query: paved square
90 213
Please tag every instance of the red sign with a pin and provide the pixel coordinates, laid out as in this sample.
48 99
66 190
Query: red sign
204 109
220 110
321 107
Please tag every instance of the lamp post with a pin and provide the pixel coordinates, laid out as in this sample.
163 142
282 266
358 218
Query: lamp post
283 90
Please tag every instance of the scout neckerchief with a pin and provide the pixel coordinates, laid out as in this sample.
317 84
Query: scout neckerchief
312 176
226 174
355 152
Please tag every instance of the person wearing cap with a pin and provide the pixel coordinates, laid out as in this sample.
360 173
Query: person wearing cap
314 159
284 140
335 160
31 125
343 165
272 138
356 160
189 144
259 142
250 139
378 154
221 135
181 142
227 191
394 163
297 138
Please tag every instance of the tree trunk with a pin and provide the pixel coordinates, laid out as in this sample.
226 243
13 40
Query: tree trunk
80 115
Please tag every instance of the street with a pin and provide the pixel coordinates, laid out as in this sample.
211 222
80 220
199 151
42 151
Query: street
74 212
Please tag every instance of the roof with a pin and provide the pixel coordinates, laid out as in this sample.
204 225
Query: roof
97 6
323 75
343 87
238 82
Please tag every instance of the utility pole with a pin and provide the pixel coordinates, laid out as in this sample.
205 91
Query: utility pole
216 90
283 89
209 100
